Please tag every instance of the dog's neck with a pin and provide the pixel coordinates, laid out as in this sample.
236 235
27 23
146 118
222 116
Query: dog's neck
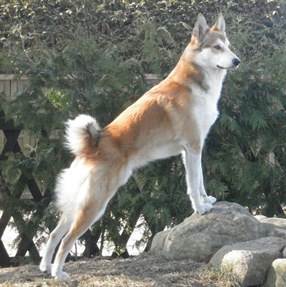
189 73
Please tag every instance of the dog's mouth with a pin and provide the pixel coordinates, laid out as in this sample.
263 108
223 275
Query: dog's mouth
220 67
226 68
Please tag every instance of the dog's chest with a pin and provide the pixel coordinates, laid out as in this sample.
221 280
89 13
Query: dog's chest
205 108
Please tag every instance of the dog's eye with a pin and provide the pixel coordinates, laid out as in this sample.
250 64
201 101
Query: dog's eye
218 47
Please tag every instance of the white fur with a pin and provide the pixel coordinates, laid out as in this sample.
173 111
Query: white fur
71 183
133 139
55 237
222 58
77 129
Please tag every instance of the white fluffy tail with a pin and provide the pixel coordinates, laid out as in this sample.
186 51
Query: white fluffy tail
82 135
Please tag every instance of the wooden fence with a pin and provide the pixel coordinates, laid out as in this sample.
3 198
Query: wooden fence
13 140
10 87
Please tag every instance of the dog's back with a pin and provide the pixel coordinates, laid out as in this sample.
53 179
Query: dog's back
179 110
173 117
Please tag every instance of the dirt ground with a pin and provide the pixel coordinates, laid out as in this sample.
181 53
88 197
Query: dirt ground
141 271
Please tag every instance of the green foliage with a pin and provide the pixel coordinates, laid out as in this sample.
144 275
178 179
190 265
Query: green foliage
91 57
252 119
252 145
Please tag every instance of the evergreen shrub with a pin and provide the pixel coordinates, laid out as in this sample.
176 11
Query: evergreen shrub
92 57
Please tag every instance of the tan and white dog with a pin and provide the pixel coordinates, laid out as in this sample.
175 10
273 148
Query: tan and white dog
172 118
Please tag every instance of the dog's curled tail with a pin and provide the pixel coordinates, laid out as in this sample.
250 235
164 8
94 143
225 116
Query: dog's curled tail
82 135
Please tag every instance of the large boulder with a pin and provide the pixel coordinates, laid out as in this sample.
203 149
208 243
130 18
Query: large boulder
250 260
277 274
275 221
200 236
274 226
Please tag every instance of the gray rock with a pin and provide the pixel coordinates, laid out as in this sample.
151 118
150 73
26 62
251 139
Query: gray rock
276 221
200 236
250 260
273 226
278 232
276 276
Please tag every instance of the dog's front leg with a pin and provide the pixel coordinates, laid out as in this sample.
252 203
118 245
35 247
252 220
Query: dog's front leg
205 198
192 162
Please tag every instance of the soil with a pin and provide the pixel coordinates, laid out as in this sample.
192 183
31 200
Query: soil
141 271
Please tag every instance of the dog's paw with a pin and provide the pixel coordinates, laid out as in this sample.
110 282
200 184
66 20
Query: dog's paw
44 266
209 199
203 208
59 274
62 276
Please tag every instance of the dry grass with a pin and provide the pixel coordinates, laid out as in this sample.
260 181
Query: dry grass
141 271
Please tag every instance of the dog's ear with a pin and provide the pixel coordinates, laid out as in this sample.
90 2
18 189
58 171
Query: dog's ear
201 28
220 24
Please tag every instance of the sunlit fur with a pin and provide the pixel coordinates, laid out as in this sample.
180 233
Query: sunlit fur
172 118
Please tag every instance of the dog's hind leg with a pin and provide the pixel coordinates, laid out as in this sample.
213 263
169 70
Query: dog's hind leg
85 217
54 239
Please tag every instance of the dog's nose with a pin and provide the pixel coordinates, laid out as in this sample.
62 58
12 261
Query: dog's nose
235 62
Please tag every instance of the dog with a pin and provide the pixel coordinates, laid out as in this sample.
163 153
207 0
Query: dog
172 118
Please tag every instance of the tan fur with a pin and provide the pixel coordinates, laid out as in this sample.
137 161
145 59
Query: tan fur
161 115
173 117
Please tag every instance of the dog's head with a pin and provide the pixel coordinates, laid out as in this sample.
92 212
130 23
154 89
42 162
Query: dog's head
211 45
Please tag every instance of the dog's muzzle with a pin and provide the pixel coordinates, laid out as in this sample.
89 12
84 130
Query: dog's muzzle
235 62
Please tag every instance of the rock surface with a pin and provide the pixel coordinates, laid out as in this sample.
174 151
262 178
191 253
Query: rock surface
251 247
250 260
274 226
277 274
199 237
277 222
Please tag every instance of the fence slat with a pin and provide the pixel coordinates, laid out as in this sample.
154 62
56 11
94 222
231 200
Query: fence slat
12 139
